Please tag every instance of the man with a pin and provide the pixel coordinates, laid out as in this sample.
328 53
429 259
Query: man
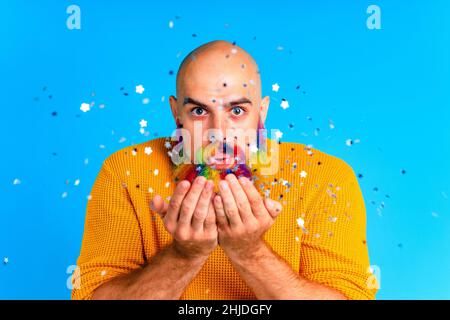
296 232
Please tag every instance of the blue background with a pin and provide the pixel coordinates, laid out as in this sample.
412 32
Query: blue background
389 88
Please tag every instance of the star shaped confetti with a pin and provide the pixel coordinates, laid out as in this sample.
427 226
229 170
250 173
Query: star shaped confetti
278 134
140 89
275 87
143 123
148 150
303 174
284 104
85 107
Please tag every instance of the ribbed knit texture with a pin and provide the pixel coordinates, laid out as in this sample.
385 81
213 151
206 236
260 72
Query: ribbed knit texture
122 233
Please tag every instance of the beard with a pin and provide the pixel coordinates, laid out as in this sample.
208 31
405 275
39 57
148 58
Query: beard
215 162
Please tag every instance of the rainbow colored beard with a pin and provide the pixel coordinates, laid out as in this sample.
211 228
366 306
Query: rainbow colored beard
247 168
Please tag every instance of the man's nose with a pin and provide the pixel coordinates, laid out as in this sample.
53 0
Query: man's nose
218 123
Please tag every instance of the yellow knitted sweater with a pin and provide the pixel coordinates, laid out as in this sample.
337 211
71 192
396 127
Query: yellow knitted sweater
320 233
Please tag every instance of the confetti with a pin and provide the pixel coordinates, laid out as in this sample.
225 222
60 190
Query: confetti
64 195
278 134
303 174
275 87
284 104
85 107
5 260
145 101
77 182
148 150
140 89
143 123
331 124
350 142
332 219
170 24
253 148
16 181
301 222
155 172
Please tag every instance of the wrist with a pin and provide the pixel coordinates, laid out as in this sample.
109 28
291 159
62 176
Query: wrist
182 254
253 252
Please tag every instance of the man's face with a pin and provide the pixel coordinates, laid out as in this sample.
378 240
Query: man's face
219 96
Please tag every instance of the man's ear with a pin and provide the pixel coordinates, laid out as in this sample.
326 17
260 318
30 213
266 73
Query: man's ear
174 107
264 108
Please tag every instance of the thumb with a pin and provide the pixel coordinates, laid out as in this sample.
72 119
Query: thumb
159 205
274 207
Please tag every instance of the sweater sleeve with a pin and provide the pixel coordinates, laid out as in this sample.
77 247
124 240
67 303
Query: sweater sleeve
112 243
334 250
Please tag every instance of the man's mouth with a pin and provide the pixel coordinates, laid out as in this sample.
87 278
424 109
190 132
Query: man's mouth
221 159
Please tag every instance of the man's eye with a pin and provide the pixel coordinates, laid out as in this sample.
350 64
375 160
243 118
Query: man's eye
237 111
198 111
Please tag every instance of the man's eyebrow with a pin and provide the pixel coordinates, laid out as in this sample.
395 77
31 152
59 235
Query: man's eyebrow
189 100
239 101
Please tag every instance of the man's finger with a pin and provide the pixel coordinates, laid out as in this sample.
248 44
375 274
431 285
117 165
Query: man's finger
210 221
190 202
273 207
174 206
245 211
221 218
254 198
229 204
158 205
201 210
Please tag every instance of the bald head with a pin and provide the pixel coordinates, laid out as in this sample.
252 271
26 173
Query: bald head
219 66
218 88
